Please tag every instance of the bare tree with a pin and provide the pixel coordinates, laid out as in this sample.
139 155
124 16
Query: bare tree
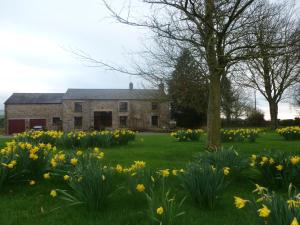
276 67
213 30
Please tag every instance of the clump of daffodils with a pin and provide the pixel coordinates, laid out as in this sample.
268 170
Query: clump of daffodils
240 135
289 133
272 207
277 168
187 135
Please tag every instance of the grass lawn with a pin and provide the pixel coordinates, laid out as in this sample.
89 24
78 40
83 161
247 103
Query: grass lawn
25 205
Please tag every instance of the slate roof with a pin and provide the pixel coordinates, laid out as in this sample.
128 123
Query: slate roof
35 98
113 94
85 94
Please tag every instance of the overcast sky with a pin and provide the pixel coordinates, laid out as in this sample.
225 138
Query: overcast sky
36 37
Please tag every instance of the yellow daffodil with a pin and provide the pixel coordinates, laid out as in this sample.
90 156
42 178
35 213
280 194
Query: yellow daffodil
295 221
140 188
79 153
66 177
32 182
165 172
160 210
271 161
226 171
74 161
53 193
119 168
264 211
174 172
279 167
239 202
46 175
295 160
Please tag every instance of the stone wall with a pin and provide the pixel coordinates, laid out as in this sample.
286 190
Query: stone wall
139 113
33 111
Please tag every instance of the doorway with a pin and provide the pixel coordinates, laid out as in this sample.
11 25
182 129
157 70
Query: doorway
102 120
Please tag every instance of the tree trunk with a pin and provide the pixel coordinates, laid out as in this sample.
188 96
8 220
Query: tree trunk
214 95
213 113
274 114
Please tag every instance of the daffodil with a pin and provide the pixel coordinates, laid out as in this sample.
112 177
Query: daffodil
295 221
260 189
279 167
226 171
32 182
295 160
119 168
264 211
160 210
239 202
174 172
140 187
46 175
165 172
53 193
74 161
79 153
66 177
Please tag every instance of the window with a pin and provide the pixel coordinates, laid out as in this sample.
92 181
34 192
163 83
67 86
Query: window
78 122
123 106
123 121
154 105
154 121
56 121
78 107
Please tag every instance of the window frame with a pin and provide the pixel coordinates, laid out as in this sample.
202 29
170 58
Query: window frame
127 106
156 104
58 122
78 107
78 126
152 125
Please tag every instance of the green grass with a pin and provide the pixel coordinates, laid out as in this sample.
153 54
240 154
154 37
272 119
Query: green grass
25 205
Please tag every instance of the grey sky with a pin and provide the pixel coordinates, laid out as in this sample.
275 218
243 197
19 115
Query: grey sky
34 36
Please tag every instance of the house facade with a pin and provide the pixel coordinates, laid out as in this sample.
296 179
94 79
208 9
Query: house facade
88 109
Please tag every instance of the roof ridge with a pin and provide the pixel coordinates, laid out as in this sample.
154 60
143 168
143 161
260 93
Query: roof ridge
112 89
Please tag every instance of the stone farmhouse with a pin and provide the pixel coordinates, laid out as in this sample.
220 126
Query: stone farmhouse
88 109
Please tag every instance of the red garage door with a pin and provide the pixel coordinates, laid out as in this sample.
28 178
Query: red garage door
16 126
37 122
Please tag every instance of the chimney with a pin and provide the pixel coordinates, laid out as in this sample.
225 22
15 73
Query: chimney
130 85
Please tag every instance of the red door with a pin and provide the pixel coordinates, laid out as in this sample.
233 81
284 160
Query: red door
16 126
37 122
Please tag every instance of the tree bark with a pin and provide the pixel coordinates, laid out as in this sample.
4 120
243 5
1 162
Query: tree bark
214 111
214 95
273 114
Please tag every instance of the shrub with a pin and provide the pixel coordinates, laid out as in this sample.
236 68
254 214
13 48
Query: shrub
91 183
289 133
256 119
277 168
26 161
240 135
224 158
204 183
187 135
78 139
273 209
